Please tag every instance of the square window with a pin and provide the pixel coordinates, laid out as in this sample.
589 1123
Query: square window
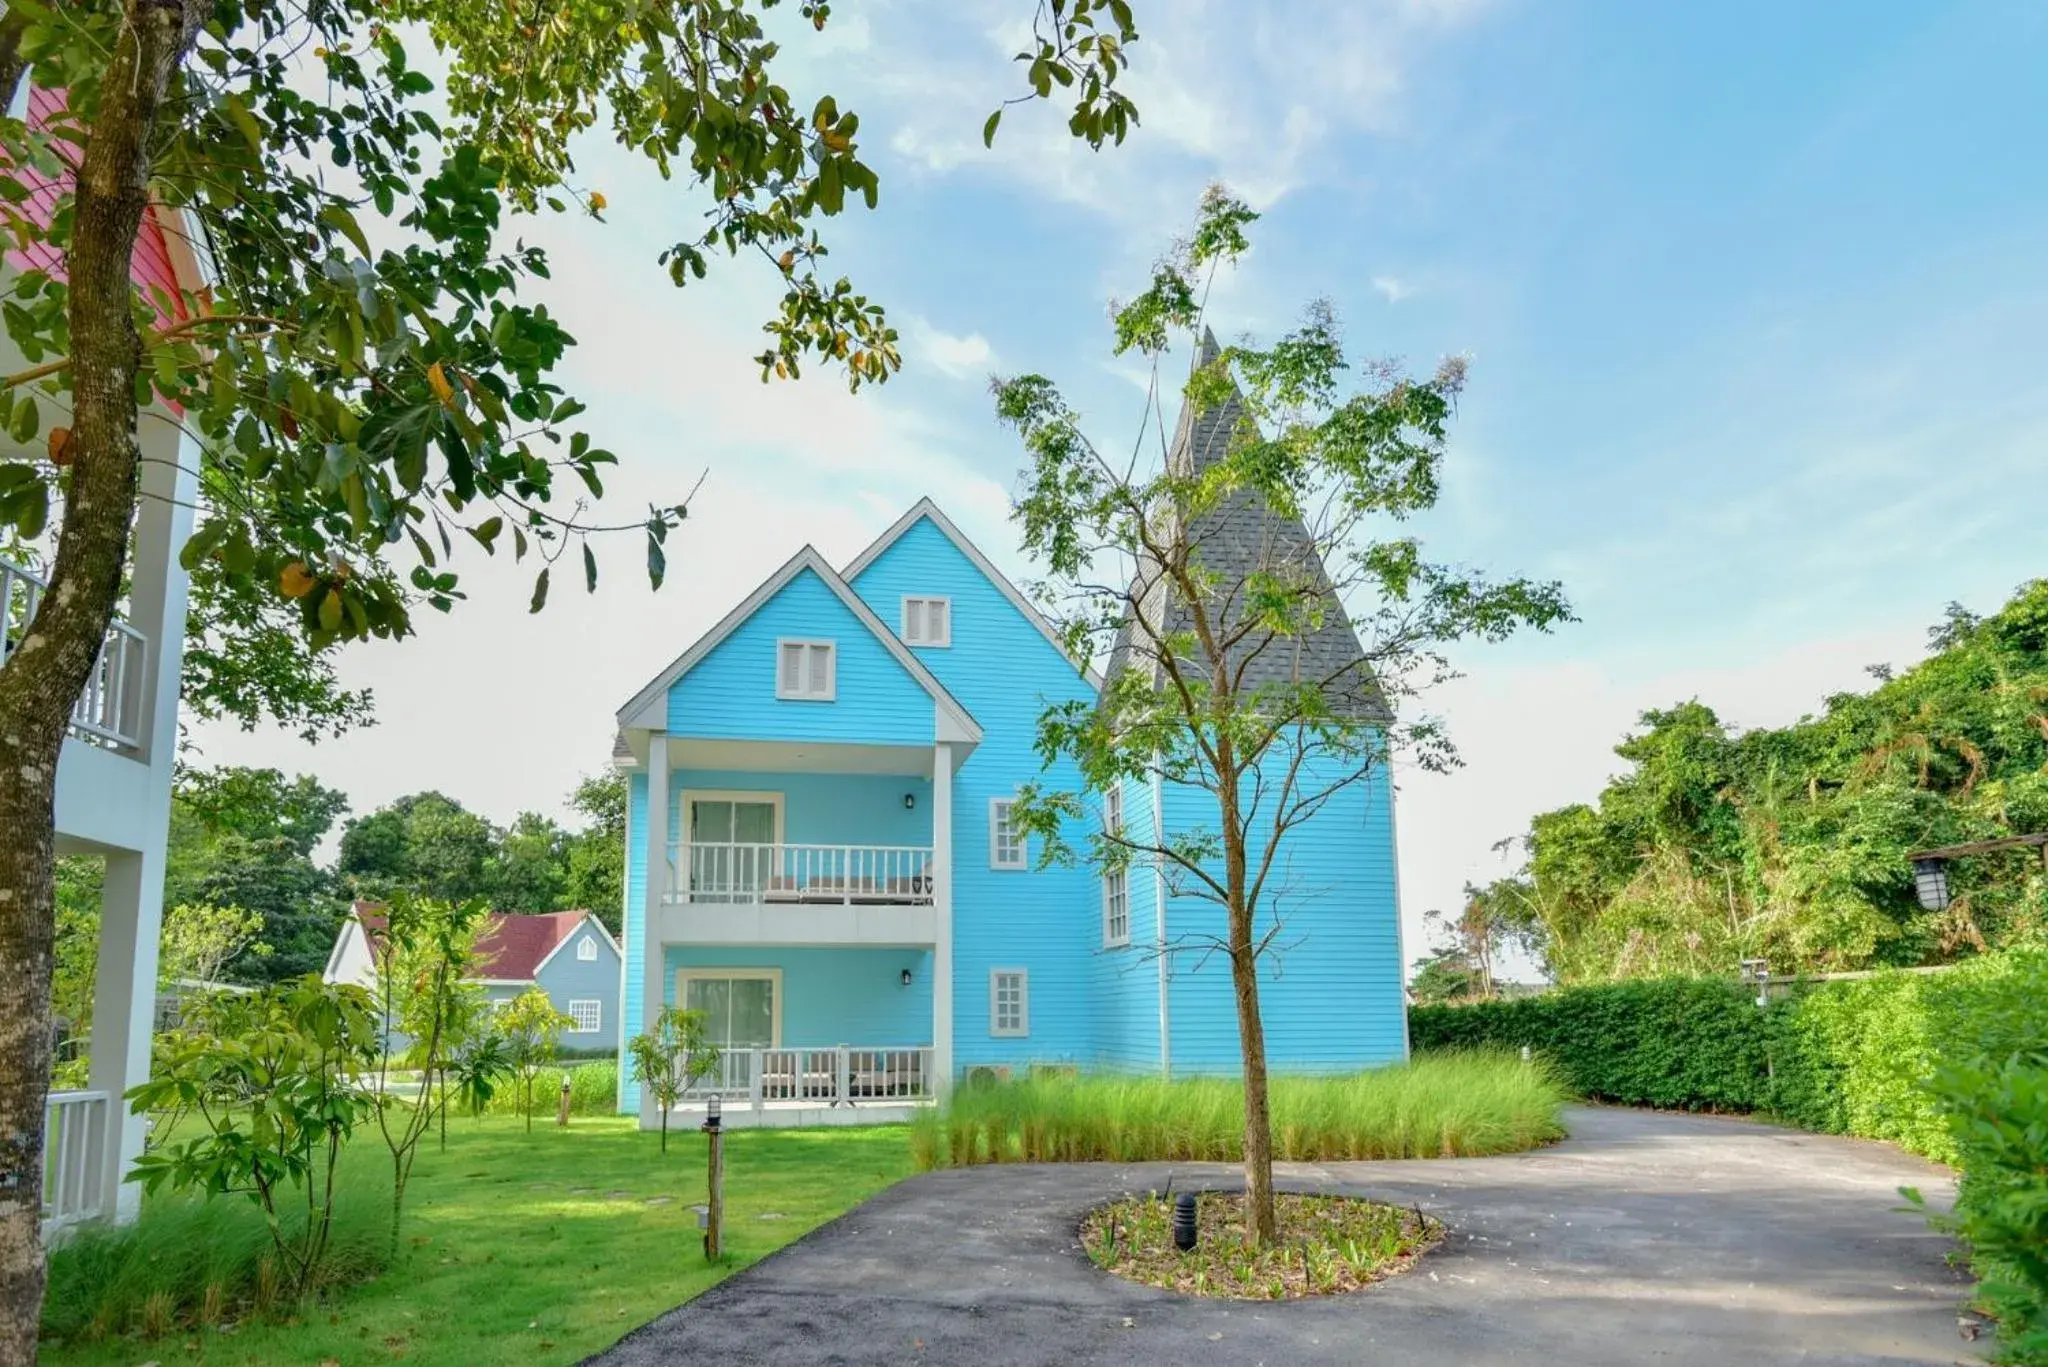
586 1017
806 671
1007 843
928 621
1009 1002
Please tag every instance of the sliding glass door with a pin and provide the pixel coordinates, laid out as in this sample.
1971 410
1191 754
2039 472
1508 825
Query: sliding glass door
732 854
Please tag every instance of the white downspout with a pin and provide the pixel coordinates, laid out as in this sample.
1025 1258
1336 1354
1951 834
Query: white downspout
1159 926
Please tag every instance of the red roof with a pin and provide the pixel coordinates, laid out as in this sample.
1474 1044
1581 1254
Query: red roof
513 944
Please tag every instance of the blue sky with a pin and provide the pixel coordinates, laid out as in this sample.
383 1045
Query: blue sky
1755 298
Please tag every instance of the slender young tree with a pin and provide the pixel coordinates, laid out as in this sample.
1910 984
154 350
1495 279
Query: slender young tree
361 397
1263 632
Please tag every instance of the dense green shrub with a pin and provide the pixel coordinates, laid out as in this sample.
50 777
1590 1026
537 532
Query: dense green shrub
1844 1057
1999 1119
1953 1065
190 1262
593 1090
1462 1102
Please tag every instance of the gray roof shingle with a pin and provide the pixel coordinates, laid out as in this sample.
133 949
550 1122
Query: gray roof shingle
1238 538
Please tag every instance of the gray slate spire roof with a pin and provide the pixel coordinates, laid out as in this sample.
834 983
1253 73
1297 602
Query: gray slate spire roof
1236 539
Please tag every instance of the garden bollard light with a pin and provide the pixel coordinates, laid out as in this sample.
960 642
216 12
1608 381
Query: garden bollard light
562 1109
713 1219
1184 1221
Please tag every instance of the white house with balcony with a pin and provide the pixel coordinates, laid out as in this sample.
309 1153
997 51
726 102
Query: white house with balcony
114 773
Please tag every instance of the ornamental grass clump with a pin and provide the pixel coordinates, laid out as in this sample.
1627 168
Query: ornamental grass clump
1443 1105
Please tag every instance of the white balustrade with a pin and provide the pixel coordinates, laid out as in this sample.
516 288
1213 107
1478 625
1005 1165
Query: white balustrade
842 1075
76 1129
109 710
843 874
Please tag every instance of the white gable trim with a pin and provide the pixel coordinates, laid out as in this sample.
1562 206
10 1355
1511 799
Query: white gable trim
926 508
588 922
648 708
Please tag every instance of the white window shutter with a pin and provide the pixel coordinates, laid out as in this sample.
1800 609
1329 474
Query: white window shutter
791 681
935 620
913 619
821 672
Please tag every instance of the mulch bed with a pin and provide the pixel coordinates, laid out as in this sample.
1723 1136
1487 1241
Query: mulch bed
1327 1245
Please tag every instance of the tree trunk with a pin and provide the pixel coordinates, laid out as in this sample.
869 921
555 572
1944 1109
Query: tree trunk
1261 1226
43 678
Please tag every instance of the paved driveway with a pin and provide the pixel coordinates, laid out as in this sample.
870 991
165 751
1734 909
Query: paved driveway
1643 1238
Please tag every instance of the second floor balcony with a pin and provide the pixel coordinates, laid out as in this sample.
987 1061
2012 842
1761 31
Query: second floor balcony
109 713
770 872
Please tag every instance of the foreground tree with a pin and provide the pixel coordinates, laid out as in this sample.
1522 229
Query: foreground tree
672 1057
1239 565
355 407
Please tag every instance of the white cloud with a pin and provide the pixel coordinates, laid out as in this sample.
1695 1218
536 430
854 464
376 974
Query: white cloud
1392 288
960 357
1250 95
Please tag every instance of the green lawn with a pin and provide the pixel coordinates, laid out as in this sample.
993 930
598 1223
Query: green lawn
543 1248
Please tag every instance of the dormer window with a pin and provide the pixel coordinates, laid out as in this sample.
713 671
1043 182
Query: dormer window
806 671
928 621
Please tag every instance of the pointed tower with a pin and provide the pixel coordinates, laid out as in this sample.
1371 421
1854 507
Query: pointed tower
1236 540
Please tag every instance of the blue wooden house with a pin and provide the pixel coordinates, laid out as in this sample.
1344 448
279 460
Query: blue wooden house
820 857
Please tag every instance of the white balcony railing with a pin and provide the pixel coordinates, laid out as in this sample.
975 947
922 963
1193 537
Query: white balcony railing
75 1137
109 711
839 1076
834 874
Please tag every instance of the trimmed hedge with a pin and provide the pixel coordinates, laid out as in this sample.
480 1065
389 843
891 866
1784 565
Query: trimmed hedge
1952 1065
1843 1057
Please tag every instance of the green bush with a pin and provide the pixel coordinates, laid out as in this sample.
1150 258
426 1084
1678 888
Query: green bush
1952 1065
593 1090
193 1262
1462 1102
1845 1057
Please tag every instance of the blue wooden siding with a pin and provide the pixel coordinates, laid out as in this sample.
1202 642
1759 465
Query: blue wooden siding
1330 989
1046 921
823 809
568 978
730 693
830 996
633 937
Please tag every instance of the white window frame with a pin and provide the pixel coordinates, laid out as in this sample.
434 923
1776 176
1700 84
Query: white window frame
944 639
773 975
996 1028
596 1005
586 950
998 853
803 691
1116 882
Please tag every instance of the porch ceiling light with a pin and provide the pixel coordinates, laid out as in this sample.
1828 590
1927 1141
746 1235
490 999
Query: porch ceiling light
910 802
906 977
1930 881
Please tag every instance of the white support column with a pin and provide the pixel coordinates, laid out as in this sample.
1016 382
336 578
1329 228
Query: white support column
124 1012
651 975
132 896
942 905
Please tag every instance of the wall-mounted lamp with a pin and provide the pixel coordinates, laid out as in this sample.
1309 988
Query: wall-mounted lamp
1930 883
906 977
909 802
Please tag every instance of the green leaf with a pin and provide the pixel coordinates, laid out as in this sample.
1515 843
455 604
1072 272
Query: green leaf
26 418
330 611
657 560
988 130
339 218
589 569
540 592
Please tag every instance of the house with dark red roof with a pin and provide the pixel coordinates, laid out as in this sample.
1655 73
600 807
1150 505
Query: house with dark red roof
567 954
